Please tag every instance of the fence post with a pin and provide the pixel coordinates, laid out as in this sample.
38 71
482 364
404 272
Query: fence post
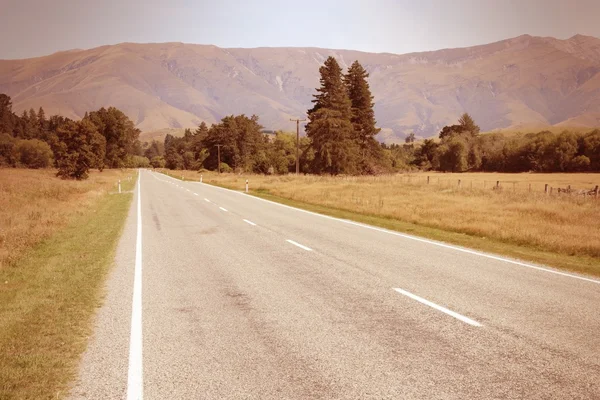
246 185
497 184
428 179
119 186
546 189
459 183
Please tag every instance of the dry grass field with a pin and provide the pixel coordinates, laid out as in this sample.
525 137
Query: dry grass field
566 225
34 204
57 240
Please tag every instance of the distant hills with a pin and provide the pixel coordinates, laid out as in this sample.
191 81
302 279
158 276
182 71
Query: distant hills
520 82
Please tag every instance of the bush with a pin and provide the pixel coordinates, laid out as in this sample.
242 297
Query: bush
225 167
33 153
580 164
158 162
137 162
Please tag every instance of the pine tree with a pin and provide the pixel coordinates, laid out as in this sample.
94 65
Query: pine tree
467 124
363 116
330 126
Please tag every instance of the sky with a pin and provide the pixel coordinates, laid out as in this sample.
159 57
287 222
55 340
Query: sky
30 28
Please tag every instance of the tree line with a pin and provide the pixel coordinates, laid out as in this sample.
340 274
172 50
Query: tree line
462 148
340 135
340 139
105 138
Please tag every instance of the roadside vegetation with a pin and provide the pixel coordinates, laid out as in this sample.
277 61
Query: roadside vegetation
57 242
105 138
554 229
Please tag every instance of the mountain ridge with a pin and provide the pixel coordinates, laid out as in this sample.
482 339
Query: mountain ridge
517 81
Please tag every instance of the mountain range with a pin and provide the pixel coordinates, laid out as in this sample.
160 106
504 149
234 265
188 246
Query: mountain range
521 82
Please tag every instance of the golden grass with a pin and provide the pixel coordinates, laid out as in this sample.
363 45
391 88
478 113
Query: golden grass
35 203
58 244
562 225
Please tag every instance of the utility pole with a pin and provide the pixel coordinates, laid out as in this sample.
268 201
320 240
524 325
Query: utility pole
219 157
297 143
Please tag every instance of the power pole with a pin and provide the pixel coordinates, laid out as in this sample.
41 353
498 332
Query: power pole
298 143
219 157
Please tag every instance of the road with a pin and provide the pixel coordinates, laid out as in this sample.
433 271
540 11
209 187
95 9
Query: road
240 298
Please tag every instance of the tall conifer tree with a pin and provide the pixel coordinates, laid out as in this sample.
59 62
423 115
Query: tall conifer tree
330 127
363 116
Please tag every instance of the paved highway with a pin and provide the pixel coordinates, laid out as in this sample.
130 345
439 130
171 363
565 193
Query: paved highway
220 295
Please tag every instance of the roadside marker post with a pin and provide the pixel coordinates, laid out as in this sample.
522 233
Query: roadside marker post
246 185
119 186
200 178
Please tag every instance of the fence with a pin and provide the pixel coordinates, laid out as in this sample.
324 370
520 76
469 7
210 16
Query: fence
580 189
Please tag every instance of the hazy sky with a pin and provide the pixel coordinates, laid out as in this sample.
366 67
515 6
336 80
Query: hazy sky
31 28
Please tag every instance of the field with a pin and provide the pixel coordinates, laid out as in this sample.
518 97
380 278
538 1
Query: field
50 276
518 218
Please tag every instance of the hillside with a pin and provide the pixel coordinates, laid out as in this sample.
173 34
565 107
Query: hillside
516 82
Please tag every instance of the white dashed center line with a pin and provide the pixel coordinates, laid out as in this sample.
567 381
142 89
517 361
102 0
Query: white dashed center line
299 245
439 308
224 209
249 222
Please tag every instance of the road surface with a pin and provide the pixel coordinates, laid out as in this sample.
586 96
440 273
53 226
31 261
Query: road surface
232 297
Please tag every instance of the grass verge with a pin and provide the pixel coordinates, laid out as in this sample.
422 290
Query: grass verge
48 295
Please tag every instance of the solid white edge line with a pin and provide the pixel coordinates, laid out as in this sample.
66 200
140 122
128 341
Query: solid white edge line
299 245
206 200
439 308
135 384
418 239
249 222
224 209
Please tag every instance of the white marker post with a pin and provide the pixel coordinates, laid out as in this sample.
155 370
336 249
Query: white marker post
200 178
119 186
246 185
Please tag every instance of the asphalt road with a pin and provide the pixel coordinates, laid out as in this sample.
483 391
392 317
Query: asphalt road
239 298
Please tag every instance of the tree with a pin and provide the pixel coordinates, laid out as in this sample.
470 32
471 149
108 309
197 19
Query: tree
6 114
363 115
241 141
120 134
426 155
410 138
468 125
330 126
76 149
453 155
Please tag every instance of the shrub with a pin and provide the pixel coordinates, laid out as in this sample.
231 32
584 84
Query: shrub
33 153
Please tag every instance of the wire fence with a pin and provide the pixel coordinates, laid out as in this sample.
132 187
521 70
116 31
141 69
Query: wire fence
550 189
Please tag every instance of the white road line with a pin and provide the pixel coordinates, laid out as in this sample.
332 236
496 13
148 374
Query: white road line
224 209
299 245
439 308
135 385
206 200
196 194
249 222
416 238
